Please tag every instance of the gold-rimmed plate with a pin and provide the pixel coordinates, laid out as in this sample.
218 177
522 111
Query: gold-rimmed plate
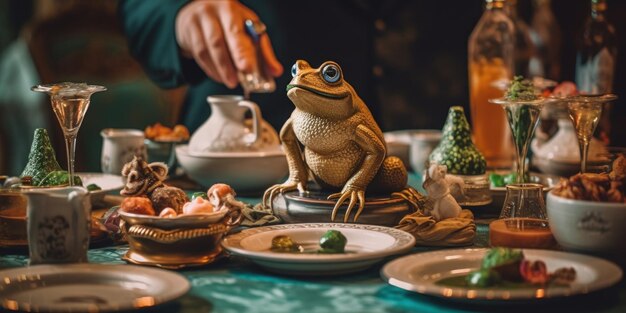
88 288
421 273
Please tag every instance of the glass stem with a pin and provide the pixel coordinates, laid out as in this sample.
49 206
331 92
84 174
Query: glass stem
521 164
70 149
584 151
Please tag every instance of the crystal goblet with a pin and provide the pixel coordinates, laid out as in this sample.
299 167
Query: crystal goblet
585 112
523 116
70 102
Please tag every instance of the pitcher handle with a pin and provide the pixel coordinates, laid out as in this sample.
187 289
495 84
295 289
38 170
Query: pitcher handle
256 120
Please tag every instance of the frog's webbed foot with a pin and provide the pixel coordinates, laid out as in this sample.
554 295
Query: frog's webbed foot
355 194
416 200
270 193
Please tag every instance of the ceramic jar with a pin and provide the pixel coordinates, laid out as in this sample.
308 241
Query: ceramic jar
119 146
58 222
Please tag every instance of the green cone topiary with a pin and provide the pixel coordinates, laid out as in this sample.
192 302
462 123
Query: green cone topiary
41 159
456 149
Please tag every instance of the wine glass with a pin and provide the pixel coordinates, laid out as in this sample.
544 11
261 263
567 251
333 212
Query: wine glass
523 116
585 111
70 102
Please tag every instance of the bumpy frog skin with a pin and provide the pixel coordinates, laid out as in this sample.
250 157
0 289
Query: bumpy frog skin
343 146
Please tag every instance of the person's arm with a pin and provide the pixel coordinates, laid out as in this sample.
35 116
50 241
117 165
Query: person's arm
181 42
150 29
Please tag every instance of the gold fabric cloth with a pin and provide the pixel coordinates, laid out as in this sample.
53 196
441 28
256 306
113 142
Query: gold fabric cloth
457 231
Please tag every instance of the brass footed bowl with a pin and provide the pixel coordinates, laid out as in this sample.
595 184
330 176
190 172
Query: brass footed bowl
174 243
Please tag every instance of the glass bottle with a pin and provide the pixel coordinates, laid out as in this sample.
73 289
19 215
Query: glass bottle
490 60
595 60
524 47
597 49
545 34
546 37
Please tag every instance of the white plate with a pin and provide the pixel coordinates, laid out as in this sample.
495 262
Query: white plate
88 288
107 182
420 272
367 244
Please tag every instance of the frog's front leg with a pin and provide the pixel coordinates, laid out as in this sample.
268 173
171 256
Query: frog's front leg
297 168
355 187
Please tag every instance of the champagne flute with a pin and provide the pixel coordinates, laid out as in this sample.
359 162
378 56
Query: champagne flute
585 111
70 102
522 116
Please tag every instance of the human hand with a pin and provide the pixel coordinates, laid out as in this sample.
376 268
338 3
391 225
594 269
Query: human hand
212 32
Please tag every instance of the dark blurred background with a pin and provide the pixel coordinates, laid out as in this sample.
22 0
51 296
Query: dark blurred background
34 48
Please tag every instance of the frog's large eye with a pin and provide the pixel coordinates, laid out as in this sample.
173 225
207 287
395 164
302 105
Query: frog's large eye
294 70
331 73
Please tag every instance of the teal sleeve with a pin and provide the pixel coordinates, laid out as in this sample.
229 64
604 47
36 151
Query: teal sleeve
150 29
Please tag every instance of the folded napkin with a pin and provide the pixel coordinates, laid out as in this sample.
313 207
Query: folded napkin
259 215
457 231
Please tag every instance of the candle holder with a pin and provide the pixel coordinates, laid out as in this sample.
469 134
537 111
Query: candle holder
523 221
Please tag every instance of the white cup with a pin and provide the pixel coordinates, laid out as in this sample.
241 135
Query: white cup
422 144
119 146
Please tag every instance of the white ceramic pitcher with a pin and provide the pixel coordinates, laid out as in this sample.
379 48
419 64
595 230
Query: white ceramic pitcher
225 129
58 222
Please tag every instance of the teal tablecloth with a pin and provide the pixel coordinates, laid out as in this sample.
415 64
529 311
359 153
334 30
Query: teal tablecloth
234 284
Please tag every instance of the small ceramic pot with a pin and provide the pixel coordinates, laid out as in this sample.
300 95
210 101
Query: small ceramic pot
58 222
173 243
119 146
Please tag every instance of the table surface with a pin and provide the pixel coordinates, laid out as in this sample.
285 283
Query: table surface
234 284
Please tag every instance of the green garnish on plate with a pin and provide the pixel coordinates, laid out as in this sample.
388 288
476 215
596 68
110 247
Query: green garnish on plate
333 241
93 187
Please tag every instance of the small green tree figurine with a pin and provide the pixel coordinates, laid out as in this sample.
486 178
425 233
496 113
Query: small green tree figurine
456 149
41 159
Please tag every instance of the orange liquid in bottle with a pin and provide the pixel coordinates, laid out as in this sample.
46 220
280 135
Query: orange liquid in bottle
490 128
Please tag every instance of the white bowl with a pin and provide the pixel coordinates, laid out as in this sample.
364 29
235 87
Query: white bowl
246 172
399 142
588 226
567 168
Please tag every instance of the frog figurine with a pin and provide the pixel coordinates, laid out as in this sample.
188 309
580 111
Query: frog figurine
343 147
